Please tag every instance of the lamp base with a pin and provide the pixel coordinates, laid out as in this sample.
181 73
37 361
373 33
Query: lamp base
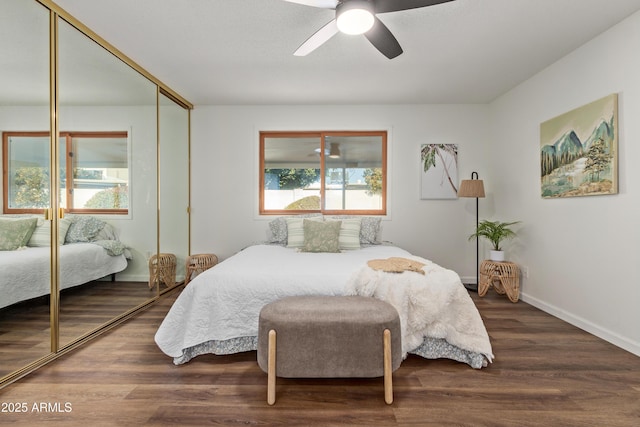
473 287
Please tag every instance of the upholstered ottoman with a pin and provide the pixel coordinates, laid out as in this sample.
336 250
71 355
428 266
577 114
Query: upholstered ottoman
329 337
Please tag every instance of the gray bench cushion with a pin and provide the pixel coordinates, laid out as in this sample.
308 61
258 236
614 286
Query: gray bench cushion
329 336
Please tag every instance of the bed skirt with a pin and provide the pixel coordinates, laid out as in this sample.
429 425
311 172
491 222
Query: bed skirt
431 348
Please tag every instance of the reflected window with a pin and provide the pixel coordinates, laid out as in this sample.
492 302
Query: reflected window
94 172
328 172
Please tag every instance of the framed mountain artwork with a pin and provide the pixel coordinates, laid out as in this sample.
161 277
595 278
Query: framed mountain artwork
439 171
579 151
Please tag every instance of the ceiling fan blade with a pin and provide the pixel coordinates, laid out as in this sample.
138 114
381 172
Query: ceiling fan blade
318 39
380 36
383 6
323 4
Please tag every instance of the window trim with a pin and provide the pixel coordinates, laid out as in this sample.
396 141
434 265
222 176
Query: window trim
68 165
322 135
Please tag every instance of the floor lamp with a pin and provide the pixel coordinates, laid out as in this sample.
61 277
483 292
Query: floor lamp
473 188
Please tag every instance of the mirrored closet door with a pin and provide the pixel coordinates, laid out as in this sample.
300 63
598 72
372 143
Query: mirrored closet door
174 187
25 276
108 184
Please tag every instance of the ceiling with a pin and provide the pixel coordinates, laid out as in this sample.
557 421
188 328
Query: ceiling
216 52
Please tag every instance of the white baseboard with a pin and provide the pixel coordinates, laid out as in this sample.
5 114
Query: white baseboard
469 279
612 337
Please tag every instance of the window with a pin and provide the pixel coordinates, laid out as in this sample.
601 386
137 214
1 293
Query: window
328 172
94 172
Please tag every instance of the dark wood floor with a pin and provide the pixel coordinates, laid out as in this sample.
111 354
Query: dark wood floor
25 332
546 373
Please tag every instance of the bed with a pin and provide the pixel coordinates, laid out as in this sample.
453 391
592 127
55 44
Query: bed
93 251
218 311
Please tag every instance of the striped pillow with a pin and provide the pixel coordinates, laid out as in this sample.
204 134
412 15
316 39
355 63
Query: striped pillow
41 236
295 231
350 234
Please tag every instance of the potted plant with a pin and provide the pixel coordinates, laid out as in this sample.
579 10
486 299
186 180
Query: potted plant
495 232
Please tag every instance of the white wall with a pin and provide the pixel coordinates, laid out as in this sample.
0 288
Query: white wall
582 253
224 162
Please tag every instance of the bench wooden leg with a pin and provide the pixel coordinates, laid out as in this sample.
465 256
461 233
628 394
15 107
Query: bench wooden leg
271 369
388 385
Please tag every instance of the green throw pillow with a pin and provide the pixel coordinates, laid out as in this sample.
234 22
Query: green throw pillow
321 236
295 231
15 233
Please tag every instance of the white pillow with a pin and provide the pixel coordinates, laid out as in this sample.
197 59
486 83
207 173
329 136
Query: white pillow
41 236
350 233
295 231
369 229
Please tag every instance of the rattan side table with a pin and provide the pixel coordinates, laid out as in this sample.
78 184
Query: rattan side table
198 263
504 276
162 269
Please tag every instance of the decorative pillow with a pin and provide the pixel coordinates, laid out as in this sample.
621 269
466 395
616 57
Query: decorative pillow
108 232
41 236
15 233
278 228
83 228
321 236
295 231
369 229
350 233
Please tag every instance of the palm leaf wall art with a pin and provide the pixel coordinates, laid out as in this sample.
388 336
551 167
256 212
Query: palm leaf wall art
439 171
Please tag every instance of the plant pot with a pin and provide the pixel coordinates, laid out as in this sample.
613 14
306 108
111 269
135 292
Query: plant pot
496 255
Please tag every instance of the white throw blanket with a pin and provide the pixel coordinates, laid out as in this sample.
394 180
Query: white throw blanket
435 304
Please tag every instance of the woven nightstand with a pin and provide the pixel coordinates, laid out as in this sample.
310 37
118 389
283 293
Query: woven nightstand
162 269
198 263
504 276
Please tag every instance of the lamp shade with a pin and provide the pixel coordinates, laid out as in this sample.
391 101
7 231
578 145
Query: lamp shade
334 151
471 188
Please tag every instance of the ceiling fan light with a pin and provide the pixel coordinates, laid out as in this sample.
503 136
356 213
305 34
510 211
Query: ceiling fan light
355 17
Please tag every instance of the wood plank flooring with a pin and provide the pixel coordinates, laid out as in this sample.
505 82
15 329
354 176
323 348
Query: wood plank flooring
546 373
25 332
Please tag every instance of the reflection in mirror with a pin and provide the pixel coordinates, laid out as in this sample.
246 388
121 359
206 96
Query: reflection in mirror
174 185
108 184
24 107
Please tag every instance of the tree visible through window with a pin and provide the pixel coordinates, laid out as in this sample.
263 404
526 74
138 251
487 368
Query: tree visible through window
330 172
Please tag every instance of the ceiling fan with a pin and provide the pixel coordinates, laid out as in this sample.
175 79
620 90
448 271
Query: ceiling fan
359 17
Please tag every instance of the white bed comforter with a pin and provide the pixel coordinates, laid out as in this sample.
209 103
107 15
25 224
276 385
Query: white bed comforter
434 305
225 302
25 273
